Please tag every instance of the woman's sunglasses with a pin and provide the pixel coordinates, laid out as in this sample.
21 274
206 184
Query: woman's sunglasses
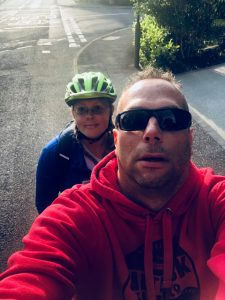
95 110
169 119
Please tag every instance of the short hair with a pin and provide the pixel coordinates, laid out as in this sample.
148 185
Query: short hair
153 73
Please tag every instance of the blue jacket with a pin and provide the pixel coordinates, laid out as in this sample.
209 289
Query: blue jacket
49 183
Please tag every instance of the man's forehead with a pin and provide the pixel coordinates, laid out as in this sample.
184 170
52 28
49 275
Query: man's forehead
151 90
153 84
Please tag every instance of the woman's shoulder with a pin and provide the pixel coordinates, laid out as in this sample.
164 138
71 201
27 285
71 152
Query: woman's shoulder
52 144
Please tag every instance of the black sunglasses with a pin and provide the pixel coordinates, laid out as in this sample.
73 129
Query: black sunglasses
169 119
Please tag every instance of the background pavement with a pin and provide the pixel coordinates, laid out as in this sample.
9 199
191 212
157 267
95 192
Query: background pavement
114 55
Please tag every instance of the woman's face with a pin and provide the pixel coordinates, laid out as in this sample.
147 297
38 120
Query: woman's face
92 116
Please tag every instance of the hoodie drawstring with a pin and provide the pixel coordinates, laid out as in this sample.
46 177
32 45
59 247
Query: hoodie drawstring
148 261
167 253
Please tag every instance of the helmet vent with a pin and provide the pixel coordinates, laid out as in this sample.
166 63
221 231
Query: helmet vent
81 83
104 86
112 90
72 88
94 82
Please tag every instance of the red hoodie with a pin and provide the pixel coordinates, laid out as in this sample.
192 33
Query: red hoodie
99 245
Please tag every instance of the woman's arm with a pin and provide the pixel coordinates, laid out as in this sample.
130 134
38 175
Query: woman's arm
47 187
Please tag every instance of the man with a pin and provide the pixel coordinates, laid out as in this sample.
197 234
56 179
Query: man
149 225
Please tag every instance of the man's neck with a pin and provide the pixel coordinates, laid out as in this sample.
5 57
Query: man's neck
149 198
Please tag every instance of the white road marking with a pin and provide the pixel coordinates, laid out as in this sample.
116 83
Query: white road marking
24 27
18 48
21 19
44 42
29 46
67 30
70 27
77 30
5 18
111 38
73 45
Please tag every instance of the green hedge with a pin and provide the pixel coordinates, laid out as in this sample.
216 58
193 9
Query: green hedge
156 46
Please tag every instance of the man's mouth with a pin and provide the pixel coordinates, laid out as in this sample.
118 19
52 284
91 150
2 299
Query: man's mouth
153 159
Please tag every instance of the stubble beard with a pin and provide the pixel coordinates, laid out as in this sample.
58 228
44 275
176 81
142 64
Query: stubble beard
171 179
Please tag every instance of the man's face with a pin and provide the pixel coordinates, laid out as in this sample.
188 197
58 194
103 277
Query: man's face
152 158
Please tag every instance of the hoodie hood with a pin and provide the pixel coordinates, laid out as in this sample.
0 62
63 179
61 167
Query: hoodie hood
140 225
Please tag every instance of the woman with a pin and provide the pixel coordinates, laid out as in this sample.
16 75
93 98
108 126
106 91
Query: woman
69 158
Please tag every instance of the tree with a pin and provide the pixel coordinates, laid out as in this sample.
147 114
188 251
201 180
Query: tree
190 22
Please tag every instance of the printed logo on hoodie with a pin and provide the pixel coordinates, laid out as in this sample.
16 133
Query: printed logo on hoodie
185 283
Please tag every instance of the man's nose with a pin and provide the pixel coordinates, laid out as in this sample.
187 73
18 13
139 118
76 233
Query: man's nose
152 132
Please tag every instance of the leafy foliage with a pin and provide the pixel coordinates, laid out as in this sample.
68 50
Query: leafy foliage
157 47
190 24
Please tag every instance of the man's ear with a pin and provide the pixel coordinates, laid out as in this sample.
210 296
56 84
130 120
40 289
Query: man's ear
115 133
191 134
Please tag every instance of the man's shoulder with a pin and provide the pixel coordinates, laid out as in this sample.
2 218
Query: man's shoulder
211 177
84 189
80 197
213 184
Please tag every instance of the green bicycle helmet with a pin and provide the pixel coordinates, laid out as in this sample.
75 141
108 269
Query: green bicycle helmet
89 85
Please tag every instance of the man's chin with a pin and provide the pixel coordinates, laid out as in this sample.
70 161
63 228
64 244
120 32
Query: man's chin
152 181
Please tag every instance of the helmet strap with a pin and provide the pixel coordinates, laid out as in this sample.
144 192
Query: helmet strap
94 140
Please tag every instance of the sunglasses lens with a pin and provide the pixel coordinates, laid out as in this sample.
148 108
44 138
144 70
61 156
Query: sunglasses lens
95 110
81 110
166 119
176 119
171 119
98 110
133 120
